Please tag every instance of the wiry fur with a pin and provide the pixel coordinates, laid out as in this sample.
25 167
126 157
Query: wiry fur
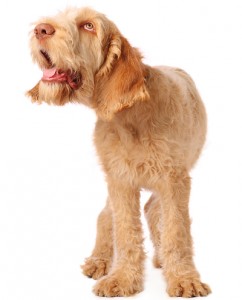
151 126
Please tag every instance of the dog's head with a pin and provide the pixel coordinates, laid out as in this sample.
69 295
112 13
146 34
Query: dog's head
85 59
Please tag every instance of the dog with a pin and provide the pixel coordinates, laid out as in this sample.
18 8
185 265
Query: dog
150 130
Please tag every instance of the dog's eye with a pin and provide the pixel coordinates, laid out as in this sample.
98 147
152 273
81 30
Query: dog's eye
89 26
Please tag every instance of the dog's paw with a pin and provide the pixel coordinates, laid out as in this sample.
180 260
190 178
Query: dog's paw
188 288
117 286
157 261
95 267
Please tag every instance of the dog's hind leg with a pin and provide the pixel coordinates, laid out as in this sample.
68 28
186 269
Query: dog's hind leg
99 263
153 216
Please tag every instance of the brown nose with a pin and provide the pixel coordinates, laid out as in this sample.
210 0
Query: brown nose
44 30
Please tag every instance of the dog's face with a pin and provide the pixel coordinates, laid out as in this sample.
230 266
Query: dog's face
84 59
69 48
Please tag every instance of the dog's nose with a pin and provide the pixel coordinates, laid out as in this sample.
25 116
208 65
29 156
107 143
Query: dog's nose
44 30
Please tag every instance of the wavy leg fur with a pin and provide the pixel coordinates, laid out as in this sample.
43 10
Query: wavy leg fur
126 275
119 229
99 263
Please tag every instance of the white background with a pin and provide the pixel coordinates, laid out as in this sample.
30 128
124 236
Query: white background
51 185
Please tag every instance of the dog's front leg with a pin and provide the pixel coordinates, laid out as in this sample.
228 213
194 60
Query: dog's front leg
126 275
176 243
98 264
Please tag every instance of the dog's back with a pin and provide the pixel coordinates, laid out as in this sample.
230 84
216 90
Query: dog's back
180 105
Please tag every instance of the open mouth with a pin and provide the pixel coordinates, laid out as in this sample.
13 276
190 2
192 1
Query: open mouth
47 57
52 74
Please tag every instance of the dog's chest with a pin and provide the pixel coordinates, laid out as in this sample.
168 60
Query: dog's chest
114 142
126 152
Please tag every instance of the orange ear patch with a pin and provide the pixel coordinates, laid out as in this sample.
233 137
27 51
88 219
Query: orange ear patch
121 81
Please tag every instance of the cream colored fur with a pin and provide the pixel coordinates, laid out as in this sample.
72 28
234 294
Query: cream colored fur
150 130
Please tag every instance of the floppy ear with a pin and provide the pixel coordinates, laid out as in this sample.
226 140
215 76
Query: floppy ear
120 82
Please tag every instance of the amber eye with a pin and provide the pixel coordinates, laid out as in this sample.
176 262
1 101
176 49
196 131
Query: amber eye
88 26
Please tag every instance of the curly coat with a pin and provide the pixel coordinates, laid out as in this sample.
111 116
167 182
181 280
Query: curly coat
150 130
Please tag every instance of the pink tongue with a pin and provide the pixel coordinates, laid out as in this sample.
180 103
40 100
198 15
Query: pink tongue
54 75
